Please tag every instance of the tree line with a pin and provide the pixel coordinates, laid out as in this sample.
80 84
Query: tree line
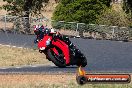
83 11
94 11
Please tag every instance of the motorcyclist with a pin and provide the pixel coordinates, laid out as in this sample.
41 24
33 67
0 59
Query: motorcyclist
62 37
41 30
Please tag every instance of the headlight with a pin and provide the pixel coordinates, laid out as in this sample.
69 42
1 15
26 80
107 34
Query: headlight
48 42
42 48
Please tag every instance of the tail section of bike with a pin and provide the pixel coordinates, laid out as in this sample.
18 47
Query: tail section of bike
77 57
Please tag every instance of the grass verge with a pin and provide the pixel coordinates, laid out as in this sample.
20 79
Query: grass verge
12 56
50 81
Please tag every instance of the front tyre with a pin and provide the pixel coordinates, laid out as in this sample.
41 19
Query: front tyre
58 61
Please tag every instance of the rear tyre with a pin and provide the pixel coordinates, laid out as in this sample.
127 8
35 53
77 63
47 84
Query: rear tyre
58 61
82 61
79 58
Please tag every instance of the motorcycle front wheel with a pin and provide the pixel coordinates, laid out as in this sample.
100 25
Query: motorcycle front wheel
58 60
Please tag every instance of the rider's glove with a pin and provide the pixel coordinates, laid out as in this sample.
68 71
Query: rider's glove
55 36
36 41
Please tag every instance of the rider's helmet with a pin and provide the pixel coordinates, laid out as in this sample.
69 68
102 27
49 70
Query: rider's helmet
36 29
41 27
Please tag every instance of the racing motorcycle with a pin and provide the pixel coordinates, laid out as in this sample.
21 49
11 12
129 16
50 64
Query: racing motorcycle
61 51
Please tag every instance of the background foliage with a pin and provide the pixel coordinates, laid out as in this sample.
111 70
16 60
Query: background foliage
83 11
114 16
19 7
94 11
127 5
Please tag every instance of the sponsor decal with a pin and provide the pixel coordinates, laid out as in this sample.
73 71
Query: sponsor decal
83 77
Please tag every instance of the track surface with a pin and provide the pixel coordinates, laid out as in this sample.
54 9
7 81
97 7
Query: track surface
102 55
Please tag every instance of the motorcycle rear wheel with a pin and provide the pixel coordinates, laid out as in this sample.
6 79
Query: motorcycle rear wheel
82 61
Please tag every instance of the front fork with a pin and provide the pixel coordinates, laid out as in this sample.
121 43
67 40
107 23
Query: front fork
45 52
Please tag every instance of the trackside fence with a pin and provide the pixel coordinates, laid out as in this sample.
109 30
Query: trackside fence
15 24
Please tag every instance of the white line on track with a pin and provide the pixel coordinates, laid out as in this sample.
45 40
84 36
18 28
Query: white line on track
25 66
3 68
34 66
52 65
11 46
18 67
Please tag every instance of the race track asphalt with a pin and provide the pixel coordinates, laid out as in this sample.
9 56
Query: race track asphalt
102 55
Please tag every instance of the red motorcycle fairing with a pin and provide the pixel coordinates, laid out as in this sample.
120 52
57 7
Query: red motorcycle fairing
60 44
65 49
55 51
42 43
